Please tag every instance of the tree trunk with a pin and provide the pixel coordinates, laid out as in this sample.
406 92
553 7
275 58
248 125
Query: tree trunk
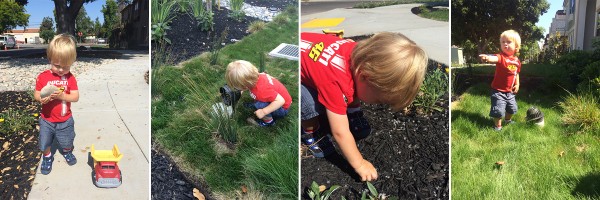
65 15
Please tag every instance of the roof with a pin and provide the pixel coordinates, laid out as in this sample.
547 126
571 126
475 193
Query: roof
29 30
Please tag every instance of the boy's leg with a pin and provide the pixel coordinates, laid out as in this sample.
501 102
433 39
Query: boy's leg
65 134
359 126
312 134
497 108
267 120
511 107
45 142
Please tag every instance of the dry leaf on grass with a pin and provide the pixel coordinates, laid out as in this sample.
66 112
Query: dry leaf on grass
581 148
198 194
244 189
561 154
500 163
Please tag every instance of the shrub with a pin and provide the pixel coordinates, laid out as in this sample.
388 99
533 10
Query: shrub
581 110
315 193
205 21
161 18
256 26
574 62
15 120
197 8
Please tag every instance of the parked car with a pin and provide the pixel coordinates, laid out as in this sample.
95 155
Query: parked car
7 41
101 40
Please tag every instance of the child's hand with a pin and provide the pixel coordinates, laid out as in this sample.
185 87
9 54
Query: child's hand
483 57
260 113
515 89
57 95
45 100
366 171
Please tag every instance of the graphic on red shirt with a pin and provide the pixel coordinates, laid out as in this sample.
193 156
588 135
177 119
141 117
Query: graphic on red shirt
325 67
56 110
507 69
267 88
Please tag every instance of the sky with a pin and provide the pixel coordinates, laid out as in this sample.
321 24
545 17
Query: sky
546 18
38 9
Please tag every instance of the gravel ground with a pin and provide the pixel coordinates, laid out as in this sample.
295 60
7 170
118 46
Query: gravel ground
19 74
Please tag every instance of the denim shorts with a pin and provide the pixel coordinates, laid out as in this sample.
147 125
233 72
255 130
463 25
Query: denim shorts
64 132
502 103
279 113
309 103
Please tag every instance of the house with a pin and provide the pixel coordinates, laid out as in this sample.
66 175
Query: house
582 22
135 20
26 36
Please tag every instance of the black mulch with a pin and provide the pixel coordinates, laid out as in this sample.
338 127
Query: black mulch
409 150
19 154
168 182
188 41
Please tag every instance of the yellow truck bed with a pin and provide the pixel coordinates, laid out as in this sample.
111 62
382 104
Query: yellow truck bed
113 155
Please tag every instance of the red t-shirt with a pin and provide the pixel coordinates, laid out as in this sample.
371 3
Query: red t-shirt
56 110
267 88
326 68
507 69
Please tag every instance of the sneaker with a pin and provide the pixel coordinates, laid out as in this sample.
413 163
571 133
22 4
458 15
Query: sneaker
507 122
46 166
318 148
71 160
359 126
498 128
262 123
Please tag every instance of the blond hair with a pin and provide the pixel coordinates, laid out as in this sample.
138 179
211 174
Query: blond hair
513 36
62 49
241 75
393 64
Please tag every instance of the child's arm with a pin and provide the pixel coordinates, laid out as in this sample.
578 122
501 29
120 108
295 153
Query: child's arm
517 84
279 101
489 59
341 132
73 97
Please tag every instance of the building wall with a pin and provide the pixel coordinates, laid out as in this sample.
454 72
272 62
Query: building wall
559 24
589 24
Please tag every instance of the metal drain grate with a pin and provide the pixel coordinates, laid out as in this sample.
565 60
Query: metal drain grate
287 51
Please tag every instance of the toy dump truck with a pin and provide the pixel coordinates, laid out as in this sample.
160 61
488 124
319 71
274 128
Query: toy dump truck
106 171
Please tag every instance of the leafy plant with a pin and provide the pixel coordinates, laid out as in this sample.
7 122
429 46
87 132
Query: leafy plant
236 10
161 18
205 21
581 110
184 5
315 193
159 32
14 120
256 26
281 19
197 8
434 86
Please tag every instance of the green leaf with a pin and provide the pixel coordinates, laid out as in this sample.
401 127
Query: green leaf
372 189
315 188
364 196
327 193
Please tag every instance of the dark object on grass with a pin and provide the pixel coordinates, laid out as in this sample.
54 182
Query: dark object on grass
535 115
230 96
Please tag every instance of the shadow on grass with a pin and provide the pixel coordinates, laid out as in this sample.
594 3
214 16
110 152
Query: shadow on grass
587 186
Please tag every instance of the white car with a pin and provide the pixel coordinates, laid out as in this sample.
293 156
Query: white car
101 40
7 41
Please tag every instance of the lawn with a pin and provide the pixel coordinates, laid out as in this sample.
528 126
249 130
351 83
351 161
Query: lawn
262 160
550 162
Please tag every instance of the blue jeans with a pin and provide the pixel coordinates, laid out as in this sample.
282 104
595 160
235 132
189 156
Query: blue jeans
279 113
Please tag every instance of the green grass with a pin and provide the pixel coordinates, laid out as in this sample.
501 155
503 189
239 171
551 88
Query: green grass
533 166
396 2
439 14
264 158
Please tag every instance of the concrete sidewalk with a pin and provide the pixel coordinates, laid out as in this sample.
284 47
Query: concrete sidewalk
113 108
433 36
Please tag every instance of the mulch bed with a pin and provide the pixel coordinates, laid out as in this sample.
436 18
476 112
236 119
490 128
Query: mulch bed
187 41
409 150
19 153
168 182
